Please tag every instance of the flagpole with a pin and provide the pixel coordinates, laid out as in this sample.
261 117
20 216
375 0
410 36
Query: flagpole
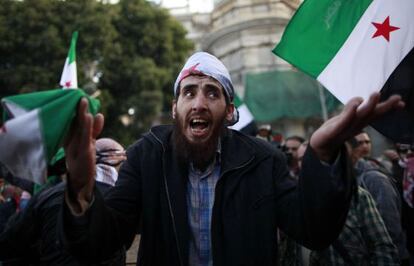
323 102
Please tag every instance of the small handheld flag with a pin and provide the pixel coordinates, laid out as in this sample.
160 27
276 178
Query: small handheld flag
69 79
36 125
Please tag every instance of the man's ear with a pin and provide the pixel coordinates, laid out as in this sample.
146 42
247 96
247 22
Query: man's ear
174 108
229 112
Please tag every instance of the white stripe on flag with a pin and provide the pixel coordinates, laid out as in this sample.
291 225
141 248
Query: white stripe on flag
245 117
69 79
14 109
22 147
363 64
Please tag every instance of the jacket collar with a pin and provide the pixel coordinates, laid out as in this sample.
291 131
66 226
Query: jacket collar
236 150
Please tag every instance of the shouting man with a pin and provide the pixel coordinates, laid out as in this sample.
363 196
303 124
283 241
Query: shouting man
204 194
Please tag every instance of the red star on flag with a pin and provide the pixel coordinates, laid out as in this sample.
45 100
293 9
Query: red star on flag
191 70
384 29
68 84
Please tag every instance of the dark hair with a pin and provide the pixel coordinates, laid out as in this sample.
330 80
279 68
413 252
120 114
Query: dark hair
295 137
353 141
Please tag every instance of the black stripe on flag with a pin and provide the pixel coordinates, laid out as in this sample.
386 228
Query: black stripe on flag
250 129
399 125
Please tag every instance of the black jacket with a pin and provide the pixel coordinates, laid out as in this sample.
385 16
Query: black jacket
30 237
253 197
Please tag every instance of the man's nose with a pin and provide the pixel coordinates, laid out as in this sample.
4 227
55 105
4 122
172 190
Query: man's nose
200 102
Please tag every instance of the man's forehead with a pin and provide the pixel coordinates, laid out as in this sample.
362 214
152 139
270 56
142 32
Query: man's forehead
197 79
362 136
292 142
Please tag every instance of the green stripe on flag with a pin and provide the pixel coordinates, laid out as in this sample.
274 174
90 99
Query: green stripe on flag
317 31
237 101
72 49
57 110
52 123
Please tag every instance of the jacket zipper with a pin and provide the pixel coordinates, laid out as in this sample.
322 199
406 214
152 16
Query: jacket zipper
169 200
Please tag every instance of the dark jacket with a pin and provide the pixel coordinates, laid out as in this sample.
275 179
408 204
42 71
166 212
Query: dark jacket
22 183
30 237
253 197
387 199
7 209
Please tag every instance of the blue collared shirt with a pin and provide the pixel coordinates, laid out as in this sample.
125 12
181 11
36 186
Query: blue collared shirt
200 201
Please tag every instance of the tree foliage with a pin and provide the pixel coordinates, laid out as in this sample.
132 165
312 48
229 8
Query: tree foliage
130 52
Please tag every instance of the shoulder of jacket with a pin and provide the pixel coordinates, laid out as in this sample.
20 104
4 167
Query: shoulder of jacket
258 145
151 143
363 193
49 195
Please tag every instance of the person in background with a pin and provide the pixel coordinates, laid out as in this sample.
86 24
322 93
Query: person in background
9 202
383 190
109 157
290 149
364 239
264 132
24 200
277 140
363 149
30 238
403 170
362 146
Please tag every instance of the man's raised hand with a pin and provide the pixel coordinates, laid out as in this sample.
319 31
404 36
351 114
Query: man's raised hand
81 156
356 115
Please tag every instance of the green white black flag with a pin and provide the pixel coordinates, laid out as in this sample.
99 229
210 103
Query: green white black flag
352 48
36 124
246 122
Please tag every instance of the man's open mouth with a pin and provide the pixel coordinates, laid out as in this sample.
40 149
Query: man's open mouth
199 126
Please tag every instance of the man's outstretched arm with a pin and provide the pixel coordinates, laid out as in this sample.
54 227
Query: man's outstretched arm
80 158
92 228
326 183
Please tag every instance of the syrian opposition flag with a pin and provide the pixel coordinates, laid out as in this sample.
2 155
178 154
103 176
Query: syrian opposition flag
246 122
69 79
36 124
355 48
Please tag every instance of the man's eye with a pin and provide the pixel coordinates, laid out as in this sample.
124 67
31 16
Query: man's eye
188 93
213 94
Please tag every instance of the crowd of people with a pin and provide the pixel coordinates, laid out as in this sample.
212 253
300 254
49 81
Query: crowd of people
199 193
29 234
378 229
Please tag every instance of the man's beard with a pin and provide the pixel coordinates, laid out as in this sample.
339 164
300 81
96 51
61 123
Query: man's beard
201 155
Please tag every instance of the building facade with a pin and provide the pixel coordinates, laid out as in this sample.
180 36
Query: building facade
242 34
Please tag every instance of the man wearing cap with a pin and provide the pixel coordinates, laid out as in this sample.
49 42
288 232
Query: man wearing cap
204 194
